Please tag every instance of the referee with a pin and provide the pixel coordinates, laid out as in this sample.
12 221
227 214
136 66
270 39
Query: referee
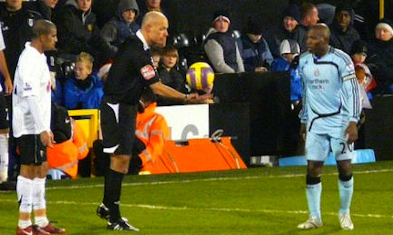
132 71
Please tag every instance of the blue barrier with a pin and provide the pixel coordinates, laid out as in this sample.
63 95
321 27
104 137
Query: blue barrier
361 156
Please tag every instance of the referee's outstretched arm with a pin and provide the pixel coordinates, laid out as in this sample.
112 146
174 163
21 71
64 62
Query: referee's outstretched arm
163 90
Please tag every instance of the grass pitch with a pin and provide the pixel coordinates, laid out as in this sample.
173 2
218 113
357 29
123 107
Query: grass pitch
253 201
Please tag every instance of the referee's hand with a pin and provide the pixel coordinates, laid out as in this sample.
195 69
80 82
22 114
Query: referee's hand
47 138
194 98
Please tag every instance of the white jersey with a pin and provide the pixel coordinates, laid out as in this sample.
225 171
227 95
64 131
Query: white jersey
32 78
2 47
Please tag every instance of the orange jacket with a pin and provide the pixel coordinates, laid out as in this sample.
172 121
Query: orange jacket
153 130
64 156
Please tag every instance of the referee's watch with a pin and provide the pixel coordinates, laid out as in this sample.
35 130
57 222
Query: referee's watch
186 98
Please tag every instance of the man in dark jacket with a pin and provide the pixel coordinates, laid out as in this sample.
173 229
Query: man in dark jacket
287 29
380 59
254 48
16 24
44 7
77 30
308 17
343 34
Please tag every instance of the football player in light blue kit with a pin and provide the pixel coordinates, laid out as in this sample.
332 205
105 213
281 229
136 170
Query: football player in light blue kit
331 109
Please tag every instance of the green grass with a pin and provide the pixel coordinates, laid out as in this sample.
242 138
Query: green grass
253 201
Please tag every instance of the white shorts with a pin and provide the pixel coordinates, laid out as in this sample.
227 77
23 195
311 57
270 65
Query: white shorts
318 147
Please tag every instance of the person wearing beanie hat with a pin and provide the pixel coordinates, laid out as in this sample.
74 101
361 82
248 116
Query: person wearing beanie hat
221 15
358 51
380 57
121 26
384 30
291 17
288 30
342 32
220 47
254 48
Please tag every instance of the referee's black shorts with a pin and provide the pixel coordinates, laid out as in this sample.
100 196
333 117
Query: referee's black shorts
118 121
4 122
31 149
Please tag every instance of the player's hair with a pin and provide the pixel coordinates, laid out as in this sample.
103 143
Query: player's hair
85 57
41 27
170 50
306 9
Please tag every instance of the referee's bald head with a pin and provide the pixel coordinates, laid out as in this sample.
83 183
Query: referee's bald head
152 17
155 28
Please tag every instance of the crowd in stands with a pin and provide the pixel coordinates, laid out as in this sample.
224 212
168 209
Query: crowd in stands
87 45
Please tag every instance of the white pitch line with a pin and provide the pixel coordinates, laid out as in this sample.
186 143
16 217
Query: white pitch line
215 209
208 180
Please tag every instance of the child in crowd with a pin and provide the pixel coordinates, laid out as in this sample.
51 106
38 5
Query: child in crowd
121 26
169 74
363 74
84 90
156 55
289 50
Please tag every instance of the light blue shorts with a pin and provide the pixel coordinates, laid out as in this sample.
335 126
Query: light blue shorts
318 147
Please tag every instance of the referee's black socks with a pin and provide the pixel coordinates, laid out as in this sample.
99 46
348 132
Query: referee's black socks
112 191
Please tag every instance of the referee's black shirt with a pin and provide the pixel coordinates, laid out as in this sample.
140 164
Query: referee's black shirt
131 72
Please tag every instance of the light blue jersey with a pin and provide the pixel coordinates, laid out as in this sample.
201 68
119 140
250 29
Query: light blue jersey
331 97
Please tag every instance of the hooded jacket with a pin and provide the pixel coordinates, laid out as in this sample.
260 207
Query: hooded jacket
116 31
343 39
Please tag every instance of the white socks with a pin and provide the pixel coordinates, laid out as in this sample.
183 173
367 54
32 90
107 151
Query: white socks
31 194
39 201
24 190
3 157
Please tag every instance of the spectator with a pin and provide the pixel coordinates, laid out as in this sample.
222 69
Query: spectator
84 89
289 50
156 55
287 30
289 61
363 74
343 34
123 25
104 71
221 48
152 129
44 7
254 48
149 5
16 23
78 32
70 145
380 60
308 17
169 75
